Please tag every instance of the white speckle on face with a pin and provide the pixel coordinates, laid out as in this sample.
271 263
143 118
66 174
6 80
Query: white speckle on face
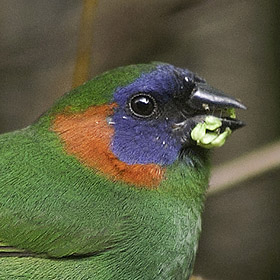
187 79
163 143
109 121
124 117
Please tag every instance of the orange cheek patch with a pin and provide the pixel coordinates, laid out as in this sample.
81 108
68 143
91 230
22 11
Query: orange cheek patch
87 136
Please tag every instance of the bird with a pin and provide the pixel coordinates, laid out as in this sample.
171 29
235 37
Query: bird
110 182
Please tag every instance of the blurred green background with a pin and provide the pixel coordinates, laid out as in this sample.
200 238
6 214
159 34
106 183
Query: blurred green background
233 44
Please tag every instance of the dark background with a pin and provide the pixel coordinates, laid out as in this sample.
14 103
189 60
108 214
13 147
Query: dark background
233 44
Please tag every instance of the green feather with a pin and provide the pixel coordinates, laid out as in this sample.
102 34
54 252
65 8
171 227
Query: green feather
61 212
78 224
99 90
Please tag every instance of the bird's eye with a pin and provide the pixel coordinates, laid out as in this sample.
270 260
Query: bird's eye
142 105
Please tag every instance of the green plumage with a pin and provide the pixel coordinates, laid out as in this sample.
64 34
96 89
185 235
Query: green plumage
68 222
100 89
65 211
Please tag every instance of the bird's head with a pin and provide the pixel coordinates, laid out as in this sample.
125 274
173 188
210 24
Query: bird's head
138 119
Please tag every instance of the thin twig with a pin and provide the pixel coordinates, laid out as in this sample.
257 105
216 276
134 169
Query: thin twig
249 166
82 66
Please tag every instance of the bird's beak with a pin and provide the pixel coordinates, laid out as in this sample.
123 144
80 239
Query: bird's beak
214 98
206 98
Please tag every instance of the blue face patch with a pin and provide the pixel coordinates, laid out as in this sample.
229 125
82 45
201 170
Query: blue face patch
138 140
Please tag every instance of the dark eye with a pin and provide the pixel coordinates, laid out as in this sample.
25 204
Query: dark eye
143 105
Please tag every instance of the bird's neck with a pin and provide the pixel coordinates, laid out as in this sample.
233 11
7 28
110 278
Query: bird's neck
87 136
159 228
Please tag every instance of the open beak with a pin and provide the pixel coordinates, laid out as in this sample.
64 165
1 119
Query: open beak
205 98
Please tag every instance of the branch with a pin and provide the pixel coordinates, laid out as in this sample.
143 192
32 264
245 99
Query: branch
82 66
244 168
